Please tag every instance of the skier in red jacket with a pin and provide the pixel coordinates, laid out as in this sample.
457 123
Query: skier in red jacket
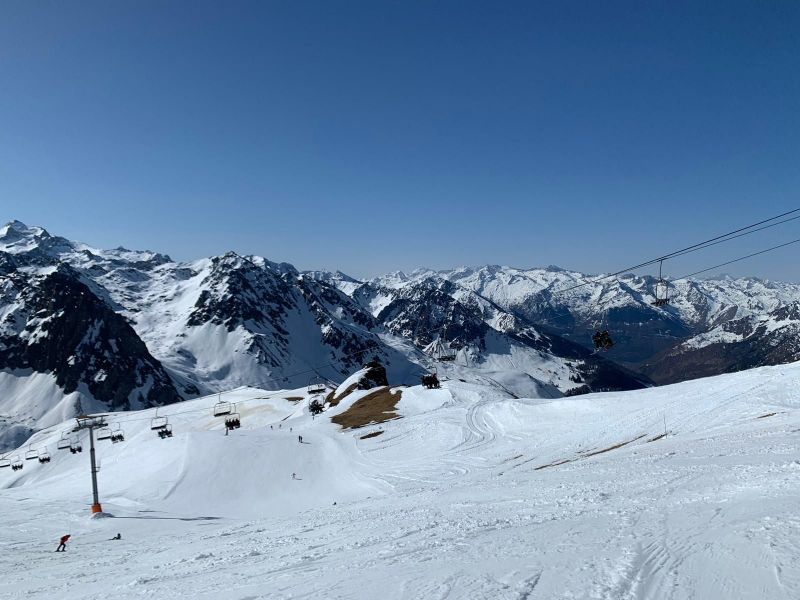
62 547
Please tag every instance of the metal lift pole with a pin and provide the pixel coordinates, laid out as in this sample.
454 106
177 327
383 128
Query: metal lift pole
90 422
96 508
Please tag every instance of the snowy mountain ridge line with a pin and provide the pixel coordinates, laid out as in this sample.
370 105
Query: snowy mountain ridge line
217 323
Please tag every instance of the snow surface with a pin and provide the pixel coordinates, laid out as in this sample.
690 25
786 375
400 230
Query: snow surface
471 494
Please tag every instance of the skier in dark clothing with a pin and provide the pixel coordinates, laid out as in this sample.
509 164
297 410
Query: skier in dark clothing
62 547
300 438
116 537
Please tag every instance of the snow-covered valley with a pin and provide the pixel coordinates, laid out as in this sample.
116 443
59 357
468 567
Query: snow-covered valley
470 493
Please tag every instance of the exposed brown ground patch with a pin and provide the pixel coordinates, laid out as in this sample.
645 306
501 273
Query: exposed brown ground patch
376 407
614 447
767 415
371 435
331 400
294 398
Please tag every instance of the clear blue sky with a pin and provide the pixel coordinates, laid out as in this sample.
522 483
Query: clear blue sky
374 136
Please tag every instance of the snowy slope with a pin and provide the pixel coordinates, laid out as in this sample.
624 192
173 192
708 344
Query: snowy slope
471 494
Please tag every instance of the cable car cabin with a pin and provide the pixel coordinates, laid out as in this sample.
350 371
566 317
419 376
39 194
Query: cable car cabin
165 431
233 421
63 444
157 423
31 455
104 433
44 457
222 408
76 447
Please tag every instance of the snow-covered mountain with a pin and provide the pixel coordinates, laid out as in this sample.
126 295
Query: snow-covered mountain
712 325
132 329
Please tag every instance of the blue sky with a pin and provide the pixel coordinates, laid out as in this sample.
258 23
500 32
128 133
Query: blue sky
375 136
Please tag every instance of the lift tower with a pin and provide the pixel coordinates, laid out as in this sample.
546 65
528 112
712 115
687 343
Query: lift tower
92 422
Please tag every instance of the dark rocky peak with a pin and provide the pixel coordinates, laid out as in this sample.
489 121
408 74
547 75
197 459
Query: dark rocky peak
70 332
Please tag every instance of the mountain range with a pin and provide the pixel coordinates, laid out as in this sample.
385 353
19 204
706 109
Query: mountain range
84 329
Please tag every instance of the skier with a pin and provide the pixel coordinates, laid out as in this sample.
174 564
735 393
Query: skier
62 547
116 537
294 475
300 438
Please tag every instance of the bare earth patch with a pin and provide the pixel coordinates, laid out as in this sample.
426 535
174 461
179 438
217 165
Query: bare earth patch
294 398
371 435
376 407
767 415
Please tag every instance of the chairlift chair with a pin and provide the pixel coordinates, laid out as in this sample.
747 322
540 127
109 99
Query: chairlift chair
662 289
222 408
117 435
165 431
44 457
75 447
16 464
64 443
104 433
157 423
31 454
442 352
5 463
315 386
233 421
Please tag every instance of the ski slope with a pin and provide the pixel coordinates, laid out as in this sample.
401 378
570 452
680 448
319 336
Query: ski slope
472 493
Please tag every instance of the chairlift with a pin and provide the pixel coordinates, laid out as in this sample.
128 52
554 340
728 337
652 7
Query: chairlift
157 423
315 386
31 454
117 435
662 289
75 446
64 443
165 431
104 433
16 463
222 408
44 457
5 463
441 351
233 420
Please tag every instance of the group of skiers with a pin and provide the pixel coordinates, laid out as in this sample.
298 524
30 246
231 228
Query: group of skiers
602 340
